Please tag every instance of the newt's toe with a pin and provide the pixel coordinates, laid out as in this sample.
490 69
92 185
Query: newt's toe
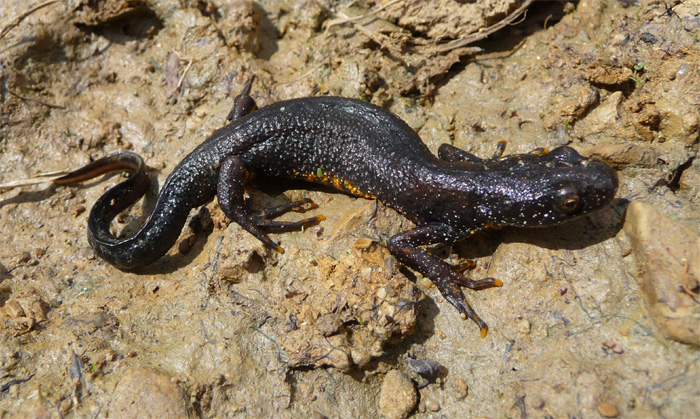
484 331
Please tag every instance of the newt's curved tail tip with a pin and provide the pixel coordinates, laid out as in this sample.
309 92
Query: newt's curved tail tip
497 283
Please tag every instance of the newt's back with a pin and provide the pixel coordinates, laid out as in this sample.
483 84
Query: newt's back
350 144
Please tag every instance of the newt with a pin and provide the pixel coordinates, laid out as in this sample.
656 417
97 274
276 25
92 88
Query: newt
365 151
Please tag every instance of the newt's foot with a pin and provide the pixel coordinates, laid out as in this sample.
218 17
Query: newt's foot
466 312
465 265
300 205
478 284
263 219
450 287
281 226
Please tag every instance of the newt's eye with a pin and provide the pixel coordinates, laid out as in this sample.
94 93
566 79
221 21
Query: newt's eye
568 200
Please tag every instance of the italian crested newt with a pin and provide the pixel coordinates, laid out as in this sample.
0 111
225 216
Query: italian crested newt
360 149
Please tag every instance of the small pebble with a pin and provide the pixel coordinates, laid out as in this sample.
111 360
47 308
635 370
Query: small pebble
14 309
624 330
427 368
461 389
613 346
185 246
362 243
607 410
23 257
78 210
432 405
524 327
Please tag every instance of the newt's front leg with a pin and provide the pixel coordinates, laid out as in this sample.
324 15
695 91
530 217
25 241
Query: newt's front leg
404 247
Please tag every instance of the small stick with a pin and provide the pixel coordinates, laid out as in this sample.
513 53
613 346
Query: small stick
684 278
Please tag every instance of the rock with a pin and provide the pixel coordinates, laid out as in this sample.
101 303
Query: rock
147 393
398 396
572 106
687 10
625 154
679 123
604 117
689 182
241 26
241 256
668 256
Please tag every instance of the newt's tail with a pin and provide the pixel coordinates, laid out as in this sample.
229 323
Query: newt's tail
149 243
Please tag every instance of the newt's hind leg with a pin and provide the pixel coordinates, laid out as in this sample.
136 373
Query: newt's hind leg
448 279
243 104
263 219
231 193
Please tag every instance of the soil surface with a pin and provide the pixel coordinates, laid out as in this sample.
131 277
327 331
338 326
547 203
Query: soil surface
599 317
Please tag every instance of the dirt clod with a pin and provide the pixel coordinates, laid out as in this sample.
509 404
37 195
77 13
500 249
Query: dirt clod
398 396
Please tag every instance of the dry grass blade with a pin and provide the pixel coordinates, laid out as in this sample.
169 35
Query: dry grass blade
344 19
35 180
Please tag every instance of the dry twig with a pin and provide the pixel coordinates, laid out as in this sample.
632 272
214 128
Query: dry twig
29 99
684 280
24 15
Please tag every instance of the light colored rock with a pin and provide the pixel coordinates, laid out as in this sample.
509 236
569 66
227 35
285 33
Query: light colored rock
147 393
668 256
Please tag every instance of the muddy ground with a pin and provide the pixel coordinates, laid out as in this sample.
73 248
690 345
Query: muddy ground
596 317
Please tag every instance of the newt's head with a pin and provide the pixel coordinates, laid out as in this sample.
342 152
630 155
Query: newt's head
550 188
